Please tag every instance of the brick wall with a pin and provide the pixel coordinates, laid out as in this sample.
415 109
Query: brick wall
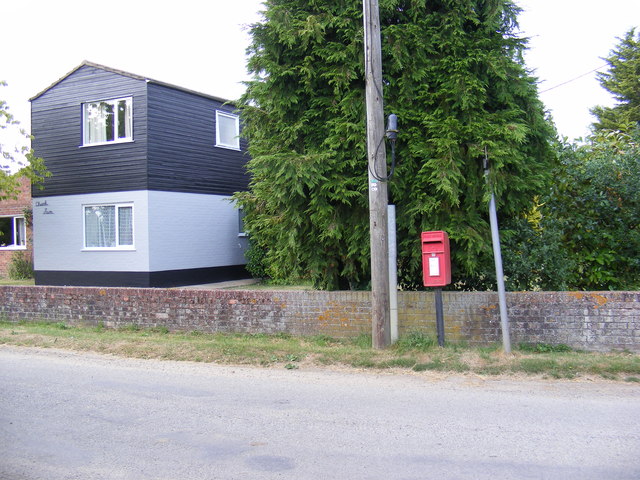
595 321
14 207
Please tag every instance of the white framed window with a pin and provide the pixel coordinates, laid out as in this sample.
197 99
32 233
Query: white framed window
107 121
108 227
13 233
227 130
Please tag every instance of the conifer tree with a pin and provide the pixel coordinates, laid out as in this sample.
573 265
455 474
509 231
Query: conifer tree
622 80
453 73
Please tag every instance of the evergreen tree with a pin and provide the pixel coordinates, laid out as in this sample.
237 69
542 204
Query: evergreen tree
622 80
453 73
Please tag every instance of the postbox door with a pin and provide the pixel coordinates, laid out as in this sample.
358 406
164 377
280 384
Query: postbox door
436 259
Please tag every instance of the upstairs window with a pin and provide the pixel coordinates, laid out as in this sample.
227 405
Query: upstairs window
108 226
107 121
13 233
227 130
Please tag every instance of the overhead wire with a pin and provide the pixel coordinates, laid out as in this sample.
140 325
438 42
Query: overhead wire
573 79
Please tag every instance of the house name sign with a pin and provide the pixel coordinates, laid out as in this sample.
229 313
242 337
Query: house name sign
44 204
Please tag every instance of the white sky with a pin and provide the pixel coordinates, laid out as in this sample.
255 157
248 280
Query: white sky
567 39
201 45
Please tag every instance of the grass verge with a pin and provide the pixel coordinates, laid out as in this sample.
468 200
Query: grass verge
414 352
270 285
11 281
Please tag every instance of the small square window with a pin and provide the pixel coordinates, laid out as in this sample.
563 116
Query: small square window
227 130
108 226
107 121
13 233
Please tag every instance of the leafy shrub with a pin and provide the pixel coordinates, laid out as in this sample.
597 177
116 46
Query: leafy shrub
255 256
20 267
596 205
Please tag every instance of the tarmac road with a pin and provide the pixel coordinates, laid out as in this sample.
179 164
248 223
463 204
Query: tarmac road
81 416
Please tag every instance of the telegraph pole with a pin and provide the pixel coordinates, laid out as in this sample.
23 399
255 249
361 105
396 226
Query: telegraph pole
377 164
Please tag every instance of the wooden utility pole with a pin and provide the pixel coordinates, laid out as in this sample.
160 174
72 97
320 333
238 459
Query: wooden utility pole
377 164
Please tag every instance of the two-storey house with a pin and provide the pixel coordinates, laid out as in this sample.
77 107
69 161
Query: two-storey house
142 175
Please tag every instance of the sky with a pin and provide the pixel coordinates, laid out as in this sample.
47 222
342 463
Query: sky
201 45
568 40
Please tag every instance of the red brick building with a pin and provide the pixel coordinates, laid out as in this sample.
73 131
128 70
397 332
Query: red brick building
15 226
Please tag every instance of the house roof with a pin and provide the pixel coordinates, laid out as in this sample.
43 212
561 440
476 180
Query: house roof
131 75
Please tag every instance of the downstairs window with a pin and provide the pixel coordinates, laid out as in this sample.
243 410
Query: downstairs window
13 233
108 226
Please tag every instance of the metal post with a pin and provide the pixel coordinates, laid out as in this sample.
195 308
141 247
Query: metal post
497 258
378 196
393 273
439 316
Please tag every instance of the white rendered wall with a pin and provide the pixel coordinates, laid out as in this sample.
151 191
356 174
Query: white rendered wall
58 236
172 231
188 230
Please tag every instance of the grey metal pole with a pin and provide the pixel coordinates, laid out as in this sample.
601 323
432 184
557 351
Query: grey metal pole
393 273
377 162
497 257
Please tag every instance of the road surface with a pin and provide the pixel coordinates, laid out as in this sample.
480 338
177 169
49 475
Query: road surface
66 415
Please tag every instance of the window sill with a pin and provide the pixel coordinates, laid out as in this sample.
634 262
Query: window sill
102 144
109 249
13 248
228 147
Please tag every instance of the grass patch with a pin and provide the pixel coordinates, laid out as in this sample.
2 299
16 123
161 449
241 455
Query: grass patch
361 341
274 285
400 362
415 341
11 281
490 370
435 364
543 348
537 365
413 352
323 340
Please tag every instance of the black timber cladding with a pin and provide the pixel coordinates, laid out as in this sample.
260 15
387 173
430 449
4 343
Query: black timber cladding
56 123
173 146
182 154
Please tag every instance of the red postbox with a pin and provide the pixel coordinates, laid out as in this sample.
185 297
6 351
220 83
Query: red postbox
436 259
